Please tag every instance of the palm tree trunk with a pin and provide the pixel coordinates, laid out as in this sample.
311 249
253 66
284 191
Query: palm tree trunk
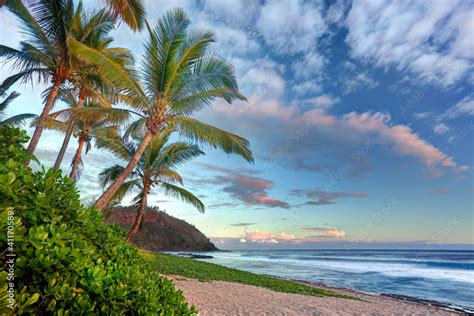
105 197
40 126
77 159
140 215
67 138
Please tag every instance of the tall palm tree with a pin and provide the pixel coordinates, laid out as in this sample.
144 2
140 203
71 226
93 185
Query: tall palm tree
89 122
16 119
44 54
93 29
179 77
155 168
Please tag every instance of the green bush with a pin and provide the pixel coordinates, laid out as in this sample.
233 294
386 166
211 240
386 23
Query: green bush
67 260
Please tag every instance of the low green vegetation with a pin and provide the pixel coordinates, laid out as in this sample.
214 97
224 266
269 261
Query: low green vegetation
60 258
205 271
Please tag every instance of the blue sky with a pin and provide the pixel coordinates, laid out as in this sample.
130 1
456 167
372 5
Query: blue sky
360 116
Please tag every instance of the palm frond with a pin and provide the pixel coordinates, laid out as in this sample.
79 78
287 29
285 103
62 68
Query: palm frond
184 195
29 24
25 76
214 137
116 146
109 69
165 41
177 154
18 119
132 12
168 175
4 104
193 48
125 189
109 174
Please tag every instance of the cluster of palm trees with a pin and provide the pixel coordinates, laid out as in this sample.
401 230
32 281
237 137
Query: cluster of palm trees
130 112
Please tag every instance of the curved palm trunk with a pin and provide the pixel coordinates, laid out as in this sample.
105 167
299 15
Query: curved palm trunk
40 126
140 215
67 138
107 195
77 158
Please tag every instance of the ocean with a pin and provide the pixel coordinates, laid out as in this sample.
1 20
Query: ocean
442 276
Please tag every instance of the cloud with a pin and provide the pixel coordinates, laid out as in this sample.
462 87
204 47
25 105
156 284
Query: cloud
259 236
325 232
401 137
465 107
319 197
248 189
242 224
318 233
359 80
441 129
291 26
422 115
428 40
323 101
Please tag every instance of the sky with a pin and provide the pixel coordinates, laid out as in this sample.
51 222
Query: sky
360 116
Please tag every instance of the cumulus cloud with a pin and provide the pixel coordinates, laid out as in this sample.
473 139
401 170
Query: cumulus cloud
291 27
428 40
441 129
258 236
325 232
323 101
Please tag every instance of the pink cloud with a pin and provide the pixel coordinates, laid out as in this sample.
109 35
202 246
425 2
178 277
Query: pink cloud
259 236
402 138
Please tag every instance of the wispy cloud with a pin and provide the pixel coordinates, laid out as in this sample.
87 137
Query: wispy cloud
428 40
249 190
319 197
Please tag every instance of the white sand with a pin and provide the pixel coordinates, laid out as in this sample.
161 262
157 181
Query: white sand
225 298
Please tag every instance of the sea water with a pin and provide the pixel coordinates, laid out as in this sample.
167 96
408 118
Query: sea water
443 276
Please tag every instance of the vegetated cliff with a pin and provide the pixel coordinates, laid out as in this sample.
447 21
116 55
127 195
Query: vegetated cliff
160 231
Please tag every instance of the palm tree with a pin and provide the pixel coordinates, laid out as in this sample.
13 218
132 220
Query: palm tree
13 120
179 77
92 29
155 168
45 54
89 122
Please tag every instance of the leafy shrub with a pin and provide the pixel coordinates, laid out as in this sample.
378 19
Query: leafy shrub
67 260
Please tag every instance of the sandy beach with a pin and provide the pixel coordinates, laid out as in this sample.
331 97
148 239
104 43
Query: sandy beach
225 298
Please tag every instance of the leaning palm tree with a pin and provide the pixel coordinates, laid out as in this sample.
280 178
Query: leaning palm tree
16 119
179 77
93 29
156 168
90 122
45 54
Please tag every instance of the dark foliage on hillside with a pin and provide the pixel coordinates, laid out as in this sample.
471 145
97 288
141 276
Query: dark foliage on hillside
160 231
